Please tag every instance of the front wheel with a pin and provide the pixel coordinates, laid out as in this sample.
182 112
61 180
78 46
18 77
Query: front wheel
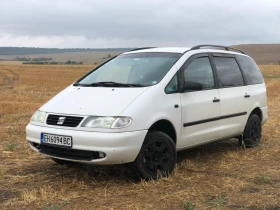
252 133
157 157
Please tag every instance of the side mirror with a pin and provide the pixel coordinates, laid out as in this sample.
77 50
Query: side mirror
191 86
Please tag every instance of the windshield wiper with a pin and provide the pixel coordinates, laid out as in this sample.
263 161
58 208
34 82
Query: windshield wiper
109 84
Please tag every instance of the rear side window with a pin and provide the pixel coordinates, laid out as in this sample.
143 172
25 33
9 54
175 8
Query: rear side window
250 69
228 71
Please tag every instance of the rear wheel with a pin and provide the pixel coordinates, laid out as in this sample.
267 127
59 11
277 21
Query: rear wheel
252 133
157 157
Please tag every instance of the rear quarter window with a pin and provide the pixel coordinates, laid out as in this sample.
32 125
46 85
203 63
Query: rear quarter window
250 69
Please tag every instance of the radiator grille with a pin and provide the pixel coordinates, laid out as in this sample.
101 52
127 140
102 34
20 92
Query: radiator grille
60 120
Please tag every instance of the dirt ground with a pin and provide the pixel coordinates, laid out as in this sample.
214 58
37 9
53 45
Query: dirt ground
221 175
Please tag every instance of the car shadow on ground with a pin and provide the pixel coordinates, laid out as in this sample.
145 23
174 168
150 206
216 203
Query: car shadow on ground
209 150
45 167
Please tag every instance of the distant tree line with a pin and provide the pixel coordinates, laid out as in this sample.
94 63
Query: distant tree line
74 62
33 59
41 63
53 62
33 50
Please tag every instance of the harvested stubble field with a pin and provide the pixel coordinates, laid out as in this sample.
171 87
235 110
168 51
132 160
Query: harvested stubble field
215 176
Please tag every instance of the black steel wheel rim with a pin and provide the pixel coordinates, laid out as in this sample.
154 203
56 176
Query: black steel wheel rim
255 132
157 157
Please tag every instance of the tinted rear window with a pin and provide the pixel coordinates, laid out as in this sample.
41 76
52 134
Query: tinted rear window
228 72
250 69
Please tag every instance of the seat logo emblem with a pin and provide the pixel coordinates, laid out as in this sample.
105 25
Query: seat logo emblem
61 120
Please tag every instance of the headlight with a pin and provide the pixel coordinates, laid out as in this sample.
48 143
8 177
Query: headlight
39 116
122 122
107 122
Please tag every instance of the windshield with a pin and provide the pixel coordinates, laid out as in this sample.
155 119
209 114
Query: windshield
133 70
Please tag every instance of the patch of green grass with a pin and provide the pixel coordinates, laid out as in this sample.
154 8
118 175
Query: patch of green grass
51 207
242 142
10 147
218 202
261 179
187 205
54 206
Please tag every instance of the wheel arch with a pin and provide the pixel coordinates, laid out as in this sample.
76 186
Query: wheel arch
258 112
166 127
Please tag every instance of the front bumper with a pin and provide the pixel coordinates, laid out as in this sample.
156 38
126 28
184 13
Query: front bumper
118 147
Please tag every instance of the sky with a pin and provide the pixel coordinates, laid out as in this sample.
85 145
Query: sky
137 23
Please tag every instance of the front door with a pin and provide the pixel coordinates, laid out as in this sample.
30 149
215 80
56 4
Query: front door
200 109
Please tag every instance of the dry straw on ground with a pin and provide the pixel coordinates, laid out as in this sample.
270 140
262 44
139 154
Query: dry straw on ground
215 176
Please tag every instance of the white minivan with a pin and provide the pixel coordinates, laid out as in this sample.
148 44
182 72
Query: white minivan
144 105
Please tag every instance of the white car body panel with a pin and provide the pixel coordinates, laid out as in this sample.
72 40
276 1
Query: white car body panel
96 101
264 114
233 102
258 97
195 108
152 106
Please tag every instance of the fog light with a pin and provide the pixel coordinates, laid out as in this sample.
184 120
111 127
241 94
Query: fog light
101 154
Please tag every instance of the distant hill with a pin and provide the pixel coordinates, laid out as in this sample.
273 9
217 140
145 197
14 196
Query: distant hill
262 53
33 50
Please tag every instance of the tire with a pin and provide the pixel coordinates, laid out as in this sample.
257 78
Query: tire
157 157
252 133
62 162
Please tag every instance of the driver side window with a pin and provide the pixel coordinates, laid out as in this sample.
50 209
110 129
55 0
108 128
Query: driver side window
200 70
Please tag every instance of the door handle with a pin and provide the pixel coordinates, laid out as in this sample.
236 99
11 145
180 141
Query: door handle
216 100
247 96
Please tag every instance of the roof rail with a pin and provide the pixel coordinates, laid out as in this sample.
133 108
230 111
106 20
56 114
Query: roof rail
216 46
141 48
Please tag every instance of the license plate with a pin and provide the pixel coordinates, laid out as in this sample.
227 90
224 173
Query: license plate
58 140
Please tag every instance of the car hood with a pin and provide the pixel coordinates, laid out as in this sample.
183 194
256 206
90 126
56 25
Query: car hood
97 101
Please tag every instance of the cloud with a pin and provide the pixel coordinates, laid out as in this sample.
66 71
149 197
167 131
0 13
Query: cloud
126 23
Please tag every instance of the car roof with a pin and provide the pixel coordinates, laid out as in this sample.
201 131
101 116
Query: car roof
180 50
161 49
